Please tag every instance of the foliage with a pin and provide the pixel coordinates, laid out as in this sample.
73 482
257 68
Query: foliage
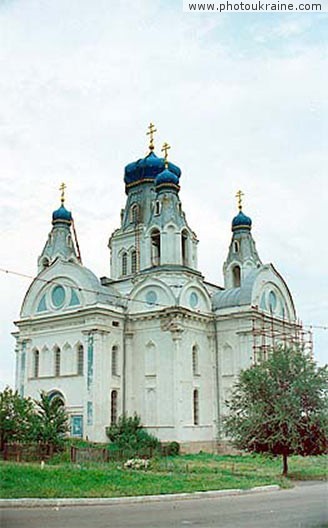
51 420
171 449
129 434
17 417
24 420
280 406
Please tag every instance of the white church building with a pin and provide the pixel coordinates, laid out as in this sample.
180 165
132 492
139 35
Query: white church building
155 338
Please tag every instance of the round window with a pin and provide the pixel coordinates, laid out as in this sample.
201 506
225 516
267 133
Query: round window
151 297
58 296
193 299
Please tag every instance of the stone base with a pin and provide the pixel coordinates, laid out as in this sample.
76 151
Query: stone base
214 447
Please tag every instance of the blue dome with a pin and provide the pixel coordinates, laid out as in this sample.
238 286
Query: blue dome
167 177
62 215
241 221
147 169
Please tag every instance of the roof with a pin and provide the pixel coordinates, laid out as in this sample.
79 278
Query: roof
236 296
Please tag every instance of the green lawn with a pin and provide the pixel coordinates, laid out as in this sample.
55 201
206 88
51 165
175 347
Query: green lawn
167 475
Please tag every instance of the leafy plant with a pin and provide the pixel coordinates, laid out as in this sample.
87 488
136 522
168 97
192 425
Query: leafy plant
280 406
51 420
17 418
171 449
129 434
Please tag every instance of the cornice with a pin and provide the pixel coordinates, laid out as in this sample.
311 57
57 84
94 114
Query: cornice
71 317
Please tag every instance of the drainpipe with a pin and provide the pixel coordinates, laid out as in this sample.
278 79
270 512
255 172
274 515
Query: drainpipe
124 362
218 372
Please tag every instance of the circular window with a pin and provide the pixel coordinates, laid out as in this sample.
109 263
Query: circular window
151 297
58 296
272 301
193 299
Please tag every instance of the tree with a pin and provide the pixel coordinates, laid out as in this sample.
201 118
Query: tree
52 420
280 406
16 417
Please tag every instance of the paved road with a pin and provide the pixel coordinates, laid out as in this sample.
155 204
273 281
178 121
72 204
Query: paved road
305 506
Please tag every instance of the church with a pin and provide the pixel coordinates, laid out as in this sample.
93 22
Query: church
154 338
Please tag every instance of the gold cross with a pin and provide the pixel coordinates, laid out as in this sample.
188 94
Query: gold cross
165 149
62 189
151 133
239 196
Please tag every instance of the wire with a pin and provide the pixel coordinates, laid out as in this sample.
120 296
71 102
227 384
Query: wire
88 290
112 295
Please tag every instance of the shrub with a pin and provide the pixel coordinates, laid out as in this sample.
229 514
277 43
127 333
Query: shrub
171 449
128 434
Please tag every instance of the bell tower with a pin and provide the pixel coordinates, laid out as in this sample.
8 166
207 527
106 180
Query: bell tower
60 243
242 256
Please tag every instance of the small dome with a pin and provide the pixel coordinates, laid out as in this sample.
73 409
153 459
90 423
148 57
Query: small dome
167 178
147 169
241 221
61 215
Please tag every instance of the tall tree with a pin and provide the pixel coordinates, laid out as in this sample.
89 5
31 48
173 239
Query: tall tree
280 406
52 420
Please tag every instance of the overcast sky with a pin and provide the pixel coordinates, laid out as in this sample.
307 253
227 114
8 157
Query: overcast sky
241 98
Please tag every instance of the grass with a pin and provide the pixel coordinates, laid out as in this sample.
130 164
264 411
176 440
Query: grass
167 475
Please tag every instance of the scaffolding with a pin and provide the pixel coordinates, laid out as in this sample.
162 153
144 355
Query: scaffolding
269 331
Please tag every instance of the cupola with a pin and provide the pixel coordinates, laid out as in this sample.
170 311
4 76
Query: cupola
62 215
241 221
167 179
60 243
242 256
146 169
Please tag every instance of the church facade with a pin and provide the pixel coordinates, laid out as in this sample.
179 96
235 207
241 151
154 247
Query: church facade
155 337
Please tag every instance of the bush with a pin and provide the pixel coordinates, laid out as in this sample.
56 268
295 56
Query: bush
129 435
171 449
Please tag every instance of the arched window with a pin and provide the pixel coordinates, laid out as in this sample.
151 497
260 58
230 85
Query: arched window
134 213
236 246
157 208
57 355
236 276
133 261
195 369
184 247
155 247
36 363
150 359
69 241
227 368
113 407
114 360
80 360
124 264
57 395
196 407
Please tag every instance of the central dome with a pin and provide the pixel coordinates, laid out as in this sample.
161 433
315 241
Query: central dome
146 170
